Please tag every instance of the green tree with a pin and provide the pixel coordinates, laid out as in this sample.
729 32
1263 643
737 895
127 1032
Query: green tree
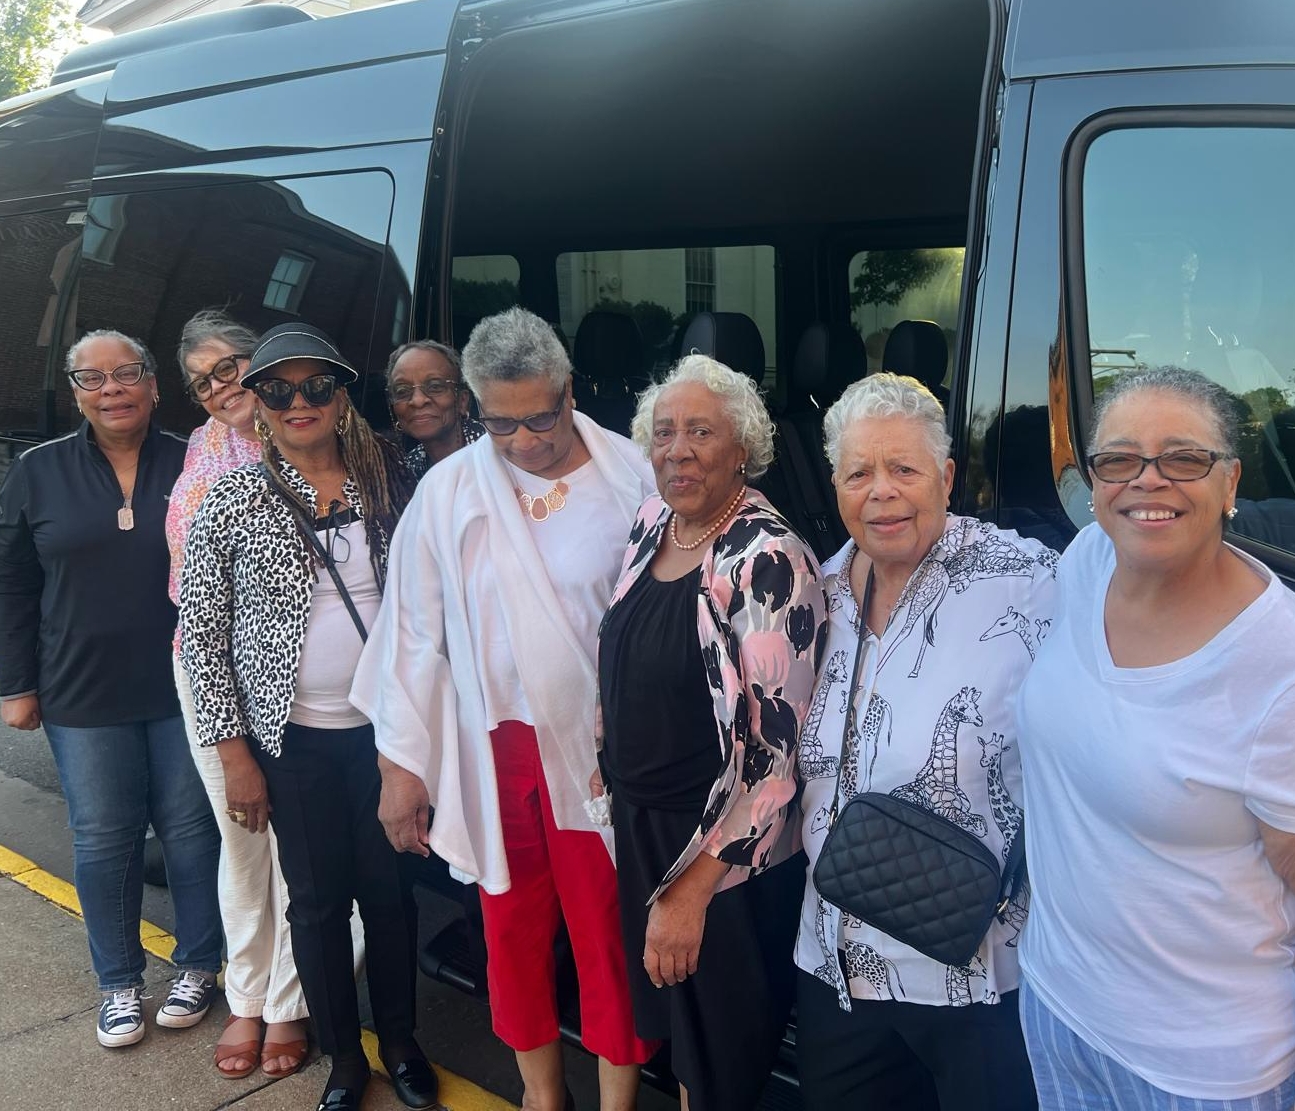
655 321
887 275
29 32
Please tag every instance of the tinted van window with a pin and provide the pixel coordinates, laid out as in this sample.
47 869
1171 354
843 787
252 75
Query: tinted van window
914 284
481 285
1189 260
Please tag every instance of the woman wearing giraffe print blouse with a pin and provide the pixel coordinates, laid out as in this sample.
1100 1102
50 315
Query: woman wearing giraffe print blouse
954 610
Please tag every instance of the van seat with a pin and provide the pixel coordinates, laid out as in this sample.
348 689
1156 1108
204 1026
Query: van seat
828 358
608 358
918 349
731 338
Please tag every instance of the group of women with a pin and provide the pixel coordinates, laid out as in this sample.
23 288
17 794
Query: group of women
647 740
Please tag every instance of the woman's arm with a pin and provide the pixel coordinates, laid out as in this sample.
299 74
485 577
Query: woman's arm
207 620
21 583
1279 848
777 624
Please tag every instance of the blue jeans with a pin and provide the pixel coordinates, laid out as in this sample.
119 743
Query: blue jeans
117 779
1072 1076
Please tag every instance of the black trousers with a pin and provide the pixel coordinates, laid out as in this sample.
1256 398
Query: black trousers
324 799
892 1056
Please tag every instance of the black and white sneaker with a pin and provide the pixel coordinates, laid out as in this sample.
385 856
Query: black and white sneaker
188 1000
121 1018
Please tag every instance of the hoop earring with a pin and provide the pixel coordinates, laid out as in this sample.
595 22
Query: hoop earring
344 423
157 400
263 430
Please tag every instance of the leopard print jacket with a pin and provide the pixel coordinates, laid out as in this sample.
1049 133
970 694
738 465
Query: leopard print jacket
245 599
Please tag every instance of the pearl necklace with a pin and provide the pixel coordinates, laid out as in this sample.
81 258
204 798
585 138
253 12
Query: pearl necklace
724 516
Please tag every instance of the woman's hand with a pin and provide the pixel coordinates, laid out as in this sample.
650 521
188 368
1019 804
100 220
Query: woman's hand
403 808
596 786
677 921
245 792
21 713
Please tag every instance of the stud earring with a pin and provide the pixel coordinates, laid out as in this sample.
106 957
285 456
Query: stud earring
741 468
1231 513
1090 505
156 401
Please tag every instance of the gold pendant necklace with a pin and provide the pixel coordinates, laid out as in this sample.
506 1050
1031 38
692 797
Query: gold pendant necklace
541 508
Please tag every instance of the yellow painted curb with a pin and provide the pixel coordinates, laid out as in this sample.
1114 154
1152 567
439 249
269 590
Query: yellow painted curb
457 1094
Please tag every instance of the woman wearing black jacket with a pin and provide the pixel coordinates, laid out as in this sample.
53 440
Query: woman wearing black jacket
85 633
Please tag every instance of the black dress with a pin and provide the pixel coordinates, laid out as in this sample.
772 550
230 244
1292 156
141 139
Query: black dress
661 756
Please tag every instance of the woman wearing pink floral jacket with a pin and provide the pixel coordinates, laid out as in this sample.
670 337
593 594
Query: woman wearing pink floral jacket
707 662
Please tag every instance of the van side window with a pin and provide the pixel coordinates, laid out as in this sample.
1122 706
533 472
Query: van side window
893 285
39 258
308 248
480 286
1189 260
663 289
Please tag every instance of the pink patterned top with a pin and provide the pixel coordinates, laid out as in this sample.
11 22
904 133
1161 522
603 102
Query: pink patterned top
214 450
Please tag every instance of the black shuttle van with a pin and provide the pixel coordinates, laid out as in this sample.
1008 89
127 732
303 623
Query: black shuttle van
1013 201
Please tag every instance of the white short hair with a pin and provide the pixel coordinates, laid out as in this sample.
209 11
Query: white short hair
514 346
886 395
740 397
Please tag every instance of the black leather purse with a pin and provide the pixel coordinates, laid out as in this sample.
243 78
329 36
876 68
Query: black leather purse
908 872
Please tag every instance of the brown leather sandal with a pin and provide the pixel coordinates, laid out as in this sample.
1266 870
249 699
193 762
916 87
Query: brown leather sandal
295 1050
246 1050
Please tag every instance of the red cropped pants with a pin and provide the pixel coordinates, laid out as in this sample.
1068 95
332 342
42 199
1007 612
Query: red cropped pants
555 874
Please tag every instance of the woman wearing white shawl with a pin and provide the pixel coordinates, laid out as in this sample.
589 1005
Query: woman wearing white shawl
479 680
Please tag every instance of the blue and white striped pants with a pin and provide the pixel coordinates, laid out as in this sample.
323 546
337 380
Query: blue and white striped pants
1072 1076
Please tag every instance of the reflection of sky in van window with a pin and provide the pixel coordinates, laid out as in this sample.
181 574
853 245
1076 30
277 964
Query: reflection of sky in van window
1189 245
1189 252
359 204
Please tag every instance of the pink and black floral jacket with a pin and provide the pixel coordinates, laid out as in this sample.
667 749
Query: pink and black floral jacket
761 620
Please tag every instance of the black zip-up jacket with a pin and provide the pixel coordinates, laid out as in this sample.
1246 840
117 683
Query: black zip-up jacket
85 621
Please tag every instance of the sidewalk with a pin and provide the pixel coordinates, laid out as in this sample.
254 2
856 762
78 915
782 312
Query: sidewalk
50 1061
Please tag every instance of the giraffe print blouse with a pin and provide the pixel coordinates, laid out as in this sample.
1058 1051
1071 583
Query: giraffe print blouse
939 731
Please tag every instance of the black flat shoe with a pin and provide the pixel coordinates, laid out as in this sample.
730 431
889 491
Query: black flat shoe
415 1083
341 1099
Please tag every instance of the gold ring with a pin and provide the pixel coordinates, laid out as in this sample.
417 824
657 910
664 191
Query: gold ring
240 816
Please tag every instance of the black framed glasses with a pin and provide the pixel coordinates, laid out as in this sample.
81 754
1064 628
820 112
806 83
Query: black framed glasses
434 389
226 370
277 393
536 422
128 374
1179 465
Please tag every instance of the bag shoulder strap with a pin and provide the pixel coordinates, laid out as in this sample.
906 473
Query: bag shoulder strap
308 527
859 652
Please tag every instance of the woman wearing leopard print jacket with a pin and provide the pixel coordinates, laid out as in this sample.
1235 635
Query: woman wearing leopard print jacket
270 642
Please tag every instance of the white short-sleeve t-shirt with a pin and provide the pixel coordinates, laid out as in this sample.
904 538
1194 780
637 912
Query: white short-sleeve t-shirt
1158 932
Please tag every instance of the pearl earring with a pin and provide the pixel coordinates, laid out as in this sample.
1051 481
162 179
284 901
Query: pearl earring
1231 513
1090 505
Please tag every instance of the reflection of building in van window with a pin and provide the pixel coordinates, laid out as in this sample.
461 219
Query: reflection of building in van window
889 286
118 16
663 289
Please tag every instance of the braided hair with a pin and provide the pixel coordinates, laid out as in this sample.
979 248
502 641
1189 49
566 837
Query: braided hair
374 464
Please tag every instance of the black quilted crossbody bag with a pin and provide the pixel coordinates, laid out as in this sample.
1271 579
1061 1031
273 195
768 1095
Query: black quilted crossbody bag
905 870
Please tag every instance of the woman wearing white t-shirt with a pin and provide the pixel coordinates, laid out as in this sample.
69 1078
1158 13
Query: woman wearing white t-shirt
479 680
1157 727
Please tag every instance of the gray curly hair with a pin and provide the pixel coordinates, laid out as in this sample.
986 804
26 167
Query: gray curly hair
743 405
886 395
512 346
142 353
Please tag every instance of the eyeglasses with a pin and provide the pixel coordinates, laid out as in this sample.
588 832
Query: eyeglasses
536 422
128 374
431 388
277 393
1179 465
227 370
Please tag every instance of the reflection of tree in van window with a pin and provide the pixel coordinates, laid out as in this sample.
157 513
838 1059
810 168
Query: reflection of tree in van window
472 301
914 284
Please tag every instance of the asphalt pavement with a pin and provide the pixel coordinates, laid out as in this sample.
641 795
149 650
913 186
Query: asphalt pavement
50 1060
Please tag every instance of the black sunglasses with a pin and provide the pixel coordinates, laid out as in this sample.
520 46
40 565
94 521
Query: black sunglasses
1180 465
431 388
227 370
536 422
277 393
128 374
